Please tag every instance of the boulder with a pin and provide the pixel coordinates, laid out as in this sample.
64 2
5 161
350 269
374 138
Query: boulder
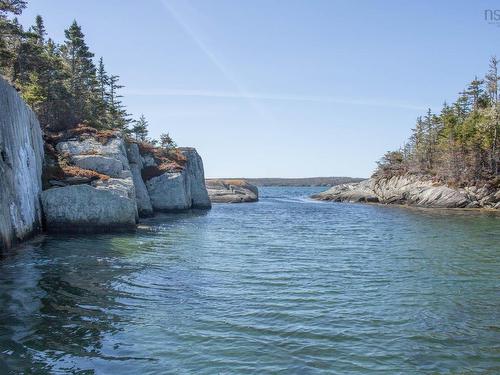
110 159
21 160
231 191
85 209
196 178
124 187
92 154
107 165
354 192
170 191
180 190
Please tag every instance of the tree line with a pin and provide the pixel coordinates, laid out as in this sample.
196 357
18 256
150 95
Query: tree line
63 83
459 145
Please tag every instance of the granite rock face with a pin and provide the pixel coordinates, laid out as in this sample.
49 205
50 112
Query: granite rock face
109 158
107 165
170 191
143 201
79 200
196 177
21 161
231 191
85 209
182 190
412 190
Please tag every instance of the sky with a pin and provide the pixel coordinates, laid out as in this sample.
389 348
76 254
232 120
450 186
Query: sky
283 88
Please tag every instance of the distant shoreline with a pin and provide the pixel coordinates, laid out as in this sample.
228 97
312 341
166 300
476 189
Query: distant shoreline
301 181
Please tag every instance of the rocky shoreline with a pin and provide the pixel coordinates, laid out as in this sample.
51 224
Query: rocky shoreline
419 191
231 191
85 181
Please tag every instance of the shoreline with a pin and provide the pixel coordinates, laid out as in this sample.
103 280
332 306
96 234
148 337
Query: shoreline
412 207
416 191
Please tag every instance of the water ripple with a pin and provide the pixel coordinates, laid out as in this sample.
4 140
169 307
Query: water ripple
283 286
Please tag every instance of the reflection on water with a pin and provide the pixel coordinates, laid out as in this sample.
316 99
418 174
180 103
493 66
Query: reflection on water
286 285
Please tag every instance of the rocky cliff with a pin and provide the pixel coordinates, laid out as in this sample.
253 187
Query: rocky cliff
415 191
180 189
21 160
231 191
103 203
84 180
117 181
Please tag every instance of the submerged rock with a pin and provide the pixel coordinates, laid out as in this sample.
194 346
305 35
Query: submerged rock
231 191
409 190
21 160
85 209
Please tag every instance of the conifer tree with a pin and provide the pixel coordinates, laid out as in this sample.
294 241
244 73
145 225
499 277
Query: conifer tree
492 79
39 30
118 116
10 31
82 81
166 141
140 129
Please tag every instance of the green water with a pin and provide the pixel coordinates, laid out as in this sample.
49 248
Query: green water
283 286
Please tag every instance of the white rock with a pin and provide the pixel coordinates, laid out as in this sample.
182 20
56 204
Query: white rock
21 159
144 206
169 191
196 179
182 190
85 209
107 165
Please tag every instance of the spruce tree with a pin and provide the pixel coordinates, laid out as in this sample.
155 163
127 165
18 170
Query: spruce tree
117 115
39 30
82 81
140 129
492 79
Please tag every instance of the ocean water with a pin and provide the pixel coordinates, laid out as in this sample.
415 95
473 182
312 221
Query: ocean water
283 286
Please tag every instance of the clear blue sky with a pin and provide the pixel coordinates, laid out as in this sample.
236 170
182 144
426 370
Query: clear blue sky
283 88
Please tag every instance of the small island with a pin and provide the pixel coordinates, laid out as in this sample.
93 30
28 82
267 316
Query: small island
231 191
